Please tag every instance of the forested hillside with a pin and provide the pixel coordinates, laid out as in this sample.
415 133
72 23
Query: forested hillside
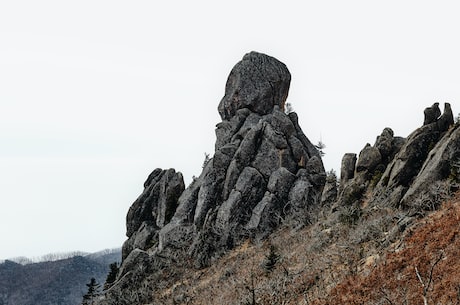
60 282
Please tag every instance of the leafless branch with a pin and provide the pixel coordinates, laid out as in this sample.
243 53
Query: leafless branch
426 285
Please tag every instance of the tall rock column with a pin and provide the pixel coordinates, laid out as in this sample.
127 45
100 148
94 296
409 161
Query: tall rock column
264 170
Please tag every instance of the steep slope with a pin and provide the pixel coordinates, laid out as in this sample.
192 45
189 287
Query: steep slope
263 224
60 282
423 266
333 262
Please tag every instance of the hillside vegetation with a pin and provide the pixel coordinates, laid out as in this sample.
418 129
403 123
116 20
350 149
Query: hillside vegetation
332 262
264 223
58 282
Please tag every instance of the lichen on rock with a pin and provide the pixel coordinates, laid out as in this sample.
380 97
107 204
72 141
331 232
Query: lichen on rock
264 170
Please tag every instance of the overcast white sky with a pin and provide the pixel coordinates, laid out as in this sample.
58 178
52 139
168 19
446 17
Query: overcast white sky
94 95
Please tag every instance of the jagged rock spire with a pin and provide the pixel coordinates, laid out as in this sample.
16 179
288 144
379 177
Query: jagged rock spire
264 169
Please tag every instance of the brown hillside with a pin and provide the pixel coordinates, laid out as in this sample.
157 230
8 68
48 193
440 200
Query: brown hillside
333 262
264 223
433 247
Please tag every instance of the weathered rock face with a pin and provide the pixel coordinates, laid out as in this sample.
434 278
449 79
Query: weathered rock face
442 163
347 171
369 158
261 155
431 114
330 190
153 209
388 145
402 169
264 170
446 119
258 83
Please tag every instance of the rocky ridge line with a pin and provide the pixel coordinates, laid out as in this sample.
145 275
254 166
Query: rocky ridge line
397 171
265 172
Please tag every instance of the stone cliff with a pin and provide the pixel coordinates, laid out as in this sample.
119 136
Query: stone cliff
266 174
264 168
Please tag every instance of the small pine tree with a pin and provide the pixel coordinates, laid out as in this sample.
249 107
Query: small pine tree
112 276
271 259
320 147
331 176
93 292
206 160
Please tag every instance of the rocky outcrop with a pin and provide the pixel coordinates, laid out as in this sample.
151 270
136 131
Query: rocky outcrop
402 171
152 210
357 174
442 162
347 170
398 170
261 154
369 159
388 145
264 173
431 114
264 170
330 190
257 83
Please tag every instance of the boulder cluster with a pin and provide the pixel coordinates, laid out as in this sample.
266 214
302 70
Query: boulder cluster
264 173
395 171
264 170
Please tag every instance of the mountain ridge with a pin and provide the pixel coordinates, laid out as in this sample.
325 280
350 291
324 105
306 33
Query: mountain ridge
60 281
264 189
54 256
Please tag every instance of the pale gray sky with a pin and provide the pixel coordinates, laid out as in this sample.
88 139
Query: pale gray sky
96 94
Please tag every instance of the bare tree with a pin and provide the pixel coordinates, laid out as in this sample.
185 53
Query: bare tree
428 280
252 290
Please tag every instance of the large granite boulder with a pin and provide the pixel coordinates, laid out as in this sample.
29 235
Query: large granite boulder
347 170
258 82
384 143
431 114
369 159
388 145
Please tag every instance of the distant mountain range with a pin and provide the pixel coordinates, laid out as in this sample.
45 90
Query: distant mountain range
53 282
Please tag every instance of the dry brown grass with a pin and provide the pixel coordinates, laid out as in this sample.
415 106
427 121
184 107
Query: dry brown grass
331 262
394 279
